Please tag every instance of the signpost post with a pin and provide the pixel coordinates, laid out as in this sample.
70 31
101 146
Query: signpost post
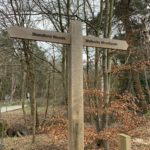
75 76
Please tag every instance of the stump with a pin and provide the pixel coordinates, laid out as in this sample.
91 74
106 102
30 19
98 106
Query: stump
124 142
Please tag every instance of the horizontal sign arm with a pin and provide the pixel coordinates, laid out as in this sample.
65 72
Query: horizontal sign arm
39 35
104 43
64 38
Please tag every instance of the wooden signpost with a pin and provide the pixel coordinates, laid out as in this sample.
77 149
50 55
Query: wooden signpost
75 74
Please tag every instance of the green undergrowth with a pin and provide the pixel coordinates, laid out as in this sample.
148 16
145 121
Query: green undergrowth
147 115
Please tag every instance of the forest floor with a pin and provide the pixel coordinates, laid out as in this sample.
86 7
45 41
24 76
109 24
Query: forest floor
53 135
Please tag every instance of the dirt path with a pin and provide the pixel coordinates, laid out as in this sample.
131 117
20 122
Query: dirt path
10 108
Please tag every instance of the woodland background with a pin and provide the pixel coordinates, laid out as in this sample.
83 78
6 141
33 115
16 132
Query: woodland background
116 83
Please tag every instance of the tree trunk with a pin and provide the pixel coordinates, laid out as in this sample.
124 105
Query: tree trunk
13 84
147 86
138 91
30 84
107 67
47 97
23 95
64 74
